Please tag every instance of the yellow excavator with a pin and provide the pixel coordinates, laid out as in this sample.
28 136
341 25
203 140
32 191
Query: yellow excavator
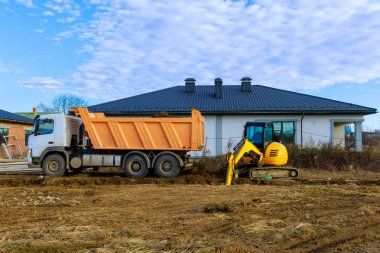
258 155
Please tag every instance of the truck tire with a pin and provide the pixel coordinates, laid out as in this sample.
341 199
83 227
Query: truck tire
135 166
167 166
54 165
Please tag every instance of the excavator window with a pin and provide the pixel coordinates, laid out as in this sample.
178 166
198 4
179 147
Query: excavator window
268 135
255 134
259 133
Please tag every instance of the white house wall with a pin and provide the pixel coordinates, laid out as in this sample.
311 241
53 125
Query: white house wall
318 130
224 131
210 134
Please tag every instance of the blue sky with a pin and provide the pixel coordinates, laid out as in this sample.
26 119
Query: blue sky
105 50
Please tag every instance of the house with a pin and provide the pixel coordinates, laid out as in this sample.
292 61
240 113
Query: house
299 119
12 127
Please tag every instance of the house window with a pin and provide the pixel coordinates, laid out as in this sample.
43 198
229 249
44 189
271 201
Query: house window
27 134
3 132
284 132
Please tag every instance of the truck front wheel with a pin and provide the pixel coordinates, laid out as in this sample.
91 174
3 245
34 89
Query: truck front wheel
54 165
135 166
167 166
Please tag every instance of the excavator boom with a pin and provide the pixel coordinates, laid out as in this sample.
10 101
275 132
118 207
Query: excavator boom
243 147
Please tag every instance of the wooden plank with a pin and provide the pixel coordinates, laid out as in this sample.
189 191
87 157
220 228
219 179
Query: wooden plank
12 164
20 169
11 160
22 172
5 148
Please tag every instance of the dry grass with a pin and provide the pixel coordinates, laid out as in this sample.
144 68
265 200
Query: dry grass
120 216
218 208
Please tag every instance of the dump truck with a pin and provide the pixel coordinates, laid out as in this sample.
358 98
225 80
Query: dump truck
66 143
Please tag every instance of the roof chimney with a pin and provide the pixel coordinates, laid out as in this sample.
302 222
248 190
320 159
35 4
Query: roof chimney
218 88
190 85
246 84
34 110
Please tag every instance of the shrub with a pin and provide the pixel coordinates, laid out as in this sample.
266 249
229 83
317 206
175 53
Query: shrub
210 166
331 158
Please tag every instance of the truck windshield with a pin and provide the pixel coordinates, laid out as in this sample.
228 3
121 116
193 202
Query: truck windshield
43 126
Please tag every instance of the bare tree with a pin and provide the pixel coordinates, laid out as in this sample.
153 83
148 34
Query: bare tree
44 108
62 103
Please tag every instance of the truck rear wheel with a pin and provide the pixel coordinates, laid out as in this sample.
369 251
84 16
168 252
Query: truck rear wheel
54 165
135 166
167 166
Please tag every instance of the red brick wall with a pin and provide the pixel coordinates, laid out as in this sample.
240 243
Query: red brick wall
17 130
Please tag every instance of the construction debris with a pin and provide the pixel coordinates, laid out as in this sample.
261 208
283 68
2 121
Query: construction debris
7 145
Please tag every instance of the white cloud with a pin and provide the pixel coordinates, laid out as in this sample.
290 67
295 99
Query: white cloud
39 30
62 35
43 83
48 13
66 20
10 67
3 68
63 6
139 45
65 34
27 3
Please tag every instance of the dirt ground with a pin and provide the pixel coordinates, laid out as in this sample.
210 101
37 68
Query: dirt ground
110 213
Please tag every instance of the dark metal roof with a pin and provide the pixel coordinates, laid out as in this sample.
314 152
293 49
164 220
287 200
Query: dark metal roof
7 116
262 99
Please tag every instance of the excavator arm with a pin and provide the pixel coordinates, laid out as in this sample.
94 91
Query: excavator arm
244 146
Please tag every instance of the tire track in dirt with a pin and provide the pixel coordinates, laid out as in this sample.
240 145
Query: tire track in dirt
328 242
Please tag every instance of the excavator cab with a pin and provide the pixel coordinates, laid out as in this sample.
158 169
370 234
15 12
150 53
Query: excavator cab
259 133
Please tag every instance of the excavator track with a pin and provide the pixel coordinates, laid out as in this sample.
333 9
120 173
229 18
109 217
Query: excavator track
273 173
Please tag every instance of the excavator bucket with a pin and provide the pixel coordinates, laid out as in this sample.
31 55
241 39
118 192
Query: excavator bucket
229 169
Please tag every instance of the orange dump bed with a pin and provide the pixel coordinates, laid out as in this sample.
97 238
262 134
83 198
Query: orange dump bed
144 133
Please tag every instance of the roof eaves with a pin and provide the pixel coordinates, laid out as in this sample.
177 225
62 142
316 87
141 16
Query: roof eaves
16 121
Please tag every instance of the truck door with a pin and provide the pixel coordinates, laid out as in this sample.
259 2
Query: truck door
43 136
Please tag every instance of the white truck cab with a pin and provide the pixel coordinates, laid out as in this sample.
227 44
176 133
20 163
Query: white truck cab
52 134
